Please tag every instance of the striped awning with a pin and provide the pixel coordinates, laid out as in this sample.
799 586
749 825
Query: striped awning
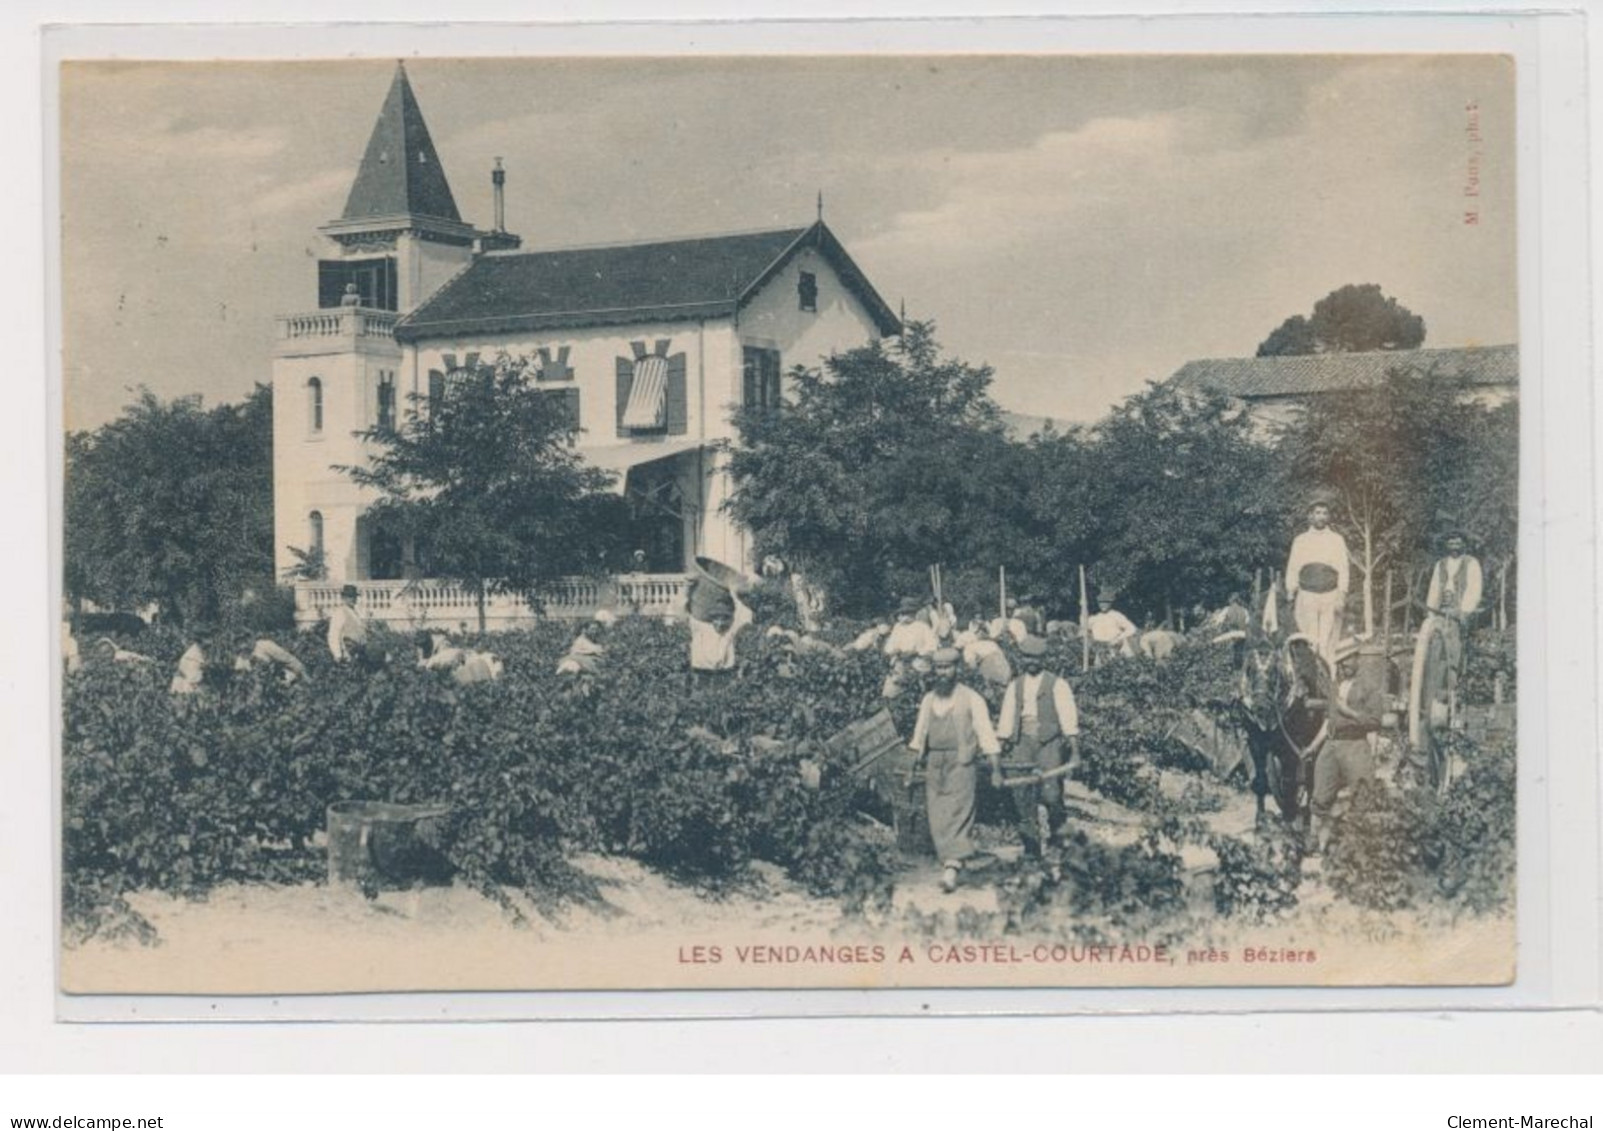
648 395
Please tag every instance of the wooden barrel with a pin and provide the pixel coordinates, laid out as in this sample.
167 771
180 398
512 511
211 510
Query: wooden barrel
384 844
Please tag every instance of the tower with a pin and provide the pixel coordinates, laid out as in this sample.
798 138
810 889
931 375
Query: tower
338 370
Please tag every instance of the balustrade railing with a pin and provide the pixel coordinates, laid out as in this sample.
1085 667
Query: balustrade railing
340 322
416 604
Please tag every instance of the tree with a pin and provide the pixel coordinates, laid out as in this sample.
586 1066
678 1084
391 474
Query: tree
1356 318
172 503
1186 500
1403 457
881 463
487 478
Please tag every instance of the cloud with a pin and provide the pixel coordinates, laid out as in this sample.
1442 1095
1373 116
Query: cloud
319 190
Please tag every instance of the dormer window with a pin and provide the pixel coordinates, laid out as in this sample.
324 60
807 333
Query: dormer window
807 291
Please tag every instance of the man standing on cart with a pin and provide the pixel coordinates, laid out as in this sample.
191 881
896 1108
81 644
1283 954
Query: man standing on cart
1038 714
1316 581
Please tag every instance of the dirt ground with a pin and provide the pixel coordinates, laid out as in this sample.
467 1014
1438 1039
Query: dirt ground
654 933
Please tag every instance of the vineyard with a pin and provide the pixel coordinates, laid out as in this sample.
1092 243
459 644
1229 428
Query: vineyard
705 783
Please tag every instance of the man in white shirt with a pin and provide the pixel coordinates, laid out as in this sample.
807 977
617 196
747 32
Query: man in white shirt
1112 633
870 637
347 630
584 654
1316 582
1010 625
267 653
712 641
953 725
1454 596
191 671
910 636
1038 714
985 654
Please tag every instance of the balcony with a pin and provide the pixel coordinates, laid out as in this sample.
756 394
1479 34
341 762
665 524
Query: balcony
411 605
337 330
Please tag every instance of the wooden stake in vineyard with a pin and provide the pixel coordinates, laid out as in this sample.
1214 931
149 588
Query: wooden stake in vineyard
1385 620
1085 631
1502 596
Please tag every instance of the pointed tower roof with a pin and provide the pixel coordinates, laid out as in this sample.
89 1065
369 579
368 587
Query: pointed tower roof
401 174
401 183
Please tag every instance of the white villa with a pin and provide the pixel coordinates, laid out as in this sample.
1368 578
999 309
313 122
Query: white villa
651 344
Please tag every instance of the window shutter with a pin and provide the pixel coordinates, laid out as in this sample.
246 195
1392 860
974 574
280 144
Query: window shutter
570 402
748 377
626 380
678 409
772 386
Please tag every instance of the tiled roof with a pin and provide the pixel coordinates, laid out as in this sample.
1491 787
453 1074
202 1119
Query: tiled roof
400 174
1257 377
704 277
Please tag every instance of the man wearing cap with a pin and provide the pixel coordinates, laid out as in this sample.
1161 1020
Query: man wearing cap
1346 759
1112 633
1038 713
910 636
1454 596
584 654
347 631
1316 581
953 725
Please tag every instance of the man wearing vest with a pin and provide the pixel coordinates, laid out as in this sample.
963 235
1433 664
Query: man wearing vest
1316 581
1454 596
1038 713
953 725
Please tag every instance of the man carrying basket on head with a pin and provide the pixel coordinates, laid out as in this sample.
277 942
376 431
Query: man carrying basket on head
953 726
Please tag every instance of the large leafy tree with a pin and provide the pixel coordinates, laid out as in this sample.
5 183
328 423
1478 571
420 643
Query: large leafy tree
1187 500
883 462
172 503
1406 457
488 480
1352 319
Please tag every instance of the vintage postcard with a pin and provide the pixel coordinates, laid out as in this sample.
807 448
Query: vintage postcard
708 522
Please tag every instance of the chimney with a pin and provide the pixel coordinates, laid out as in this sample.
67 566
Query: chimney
498 178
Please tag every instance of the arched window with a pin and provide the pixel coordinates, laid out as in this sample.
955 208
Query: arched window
436 390
314 403
386 400
314 523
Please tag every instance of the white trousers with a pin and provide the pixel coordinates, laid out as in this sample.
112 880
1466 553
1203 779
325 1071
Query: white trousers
1319 618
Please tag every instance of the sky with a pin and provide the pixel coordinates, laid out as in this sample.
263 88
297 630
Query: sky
1082 224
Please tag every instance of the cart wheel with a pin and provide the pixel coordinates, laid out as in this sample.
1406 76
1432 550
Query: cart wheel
1431 705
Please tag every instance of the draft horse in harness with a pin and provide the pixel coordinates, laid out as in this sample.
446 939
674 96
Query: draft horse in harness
1283 692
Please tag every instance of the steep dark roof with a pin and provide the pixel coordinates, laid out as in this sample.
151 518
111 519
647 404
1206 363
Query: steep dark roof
706 277
401 174
1257 377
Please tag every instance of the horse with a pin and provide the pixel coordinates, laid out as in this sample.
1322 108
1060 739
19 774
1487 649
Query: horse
1281 703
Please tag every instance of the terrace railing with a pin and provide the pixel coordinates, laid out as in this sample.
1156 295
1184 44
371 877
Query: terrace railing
424 603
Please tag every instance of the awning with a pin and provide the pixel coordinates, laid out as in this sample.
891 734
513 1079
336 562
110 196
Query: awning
648 394
621 457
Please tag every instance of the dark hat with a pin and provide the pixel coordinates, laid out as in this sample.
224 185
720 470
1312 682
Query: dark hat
1447 526
348 590
1322 498
1032 646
